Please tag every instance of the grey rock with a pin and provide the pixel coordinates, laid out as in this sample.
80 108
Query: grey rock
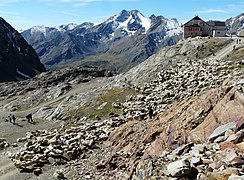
178 151
219 139
200 147
221 130
236 177
37 171
239 82
196 160
179 168
171 157
58 174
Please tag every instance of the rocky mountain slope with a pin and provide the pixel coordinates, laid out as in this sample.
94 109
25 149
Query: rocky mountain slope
118 43
234 24
182 121
18 60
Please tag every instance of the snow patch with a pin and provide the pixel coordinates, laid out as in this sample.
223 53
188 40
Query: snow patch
124 26
41 29
71 26
22 74
146 23
125 23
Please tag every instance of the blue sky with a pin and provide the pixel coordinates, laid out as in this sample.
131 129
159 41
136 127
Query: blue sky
23 14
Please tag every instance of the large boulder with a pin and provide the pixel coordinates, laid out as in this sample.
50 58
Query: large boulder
179 168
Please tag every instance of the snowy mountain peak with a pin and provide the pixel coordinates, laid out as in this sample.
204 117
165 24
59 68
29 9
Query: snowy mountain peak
41 28
129 21
71 42
235 24
123 16
68 27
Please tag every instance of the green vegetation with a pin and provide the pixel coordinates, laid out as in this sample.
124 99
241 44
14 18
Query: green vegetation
105 57
56 103
237 55
210 47
234 61
102 106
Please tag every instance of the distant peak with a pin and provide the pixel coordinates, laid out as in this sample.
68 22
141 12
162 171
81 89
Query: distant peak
152 17
123 16
124 11
134 12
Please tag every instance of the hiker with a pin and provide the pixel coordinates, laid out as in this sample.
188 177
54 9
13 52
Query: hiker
237 41
10 118
196 55
13 118
150 112
29 118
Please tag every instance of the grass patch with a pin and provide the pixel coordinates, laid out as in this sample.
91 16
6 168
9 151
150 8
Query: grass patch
237 55
56 103
212 46
38 120
102 106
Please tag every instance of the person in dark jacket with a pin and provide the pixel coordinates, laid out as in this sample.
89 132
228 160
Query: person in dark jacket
13 119
29 118
150 112
10 118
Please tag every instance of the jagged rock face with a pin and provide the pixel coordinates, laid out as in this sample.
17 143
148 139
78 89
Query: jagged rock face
235 24
128 36
18 60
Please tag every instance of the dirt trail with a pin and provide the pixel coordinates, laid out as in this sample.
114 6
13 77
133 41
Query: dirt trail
7 169
86 87
11 132
222 53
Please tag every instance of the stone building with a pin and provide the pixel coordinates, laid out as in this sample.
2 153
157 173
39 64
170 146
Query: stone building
198 27
218 28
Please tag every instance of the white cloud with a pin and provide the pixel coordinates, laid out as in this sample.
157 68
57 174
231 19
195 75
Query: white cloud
208 11
4 2
9 13
65 13
83 2
79 3
90 1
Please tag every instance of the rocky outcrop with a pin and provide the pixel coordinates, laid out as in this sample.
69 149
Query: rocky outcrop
18 60
190 160
3 143
196 119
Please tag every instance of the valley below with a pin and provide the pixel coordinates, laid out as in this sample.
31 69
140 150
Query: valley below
177 115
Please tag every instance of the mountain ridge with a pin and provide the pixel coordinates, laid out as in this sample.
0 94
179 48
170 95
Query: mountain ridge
68 43
18 60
